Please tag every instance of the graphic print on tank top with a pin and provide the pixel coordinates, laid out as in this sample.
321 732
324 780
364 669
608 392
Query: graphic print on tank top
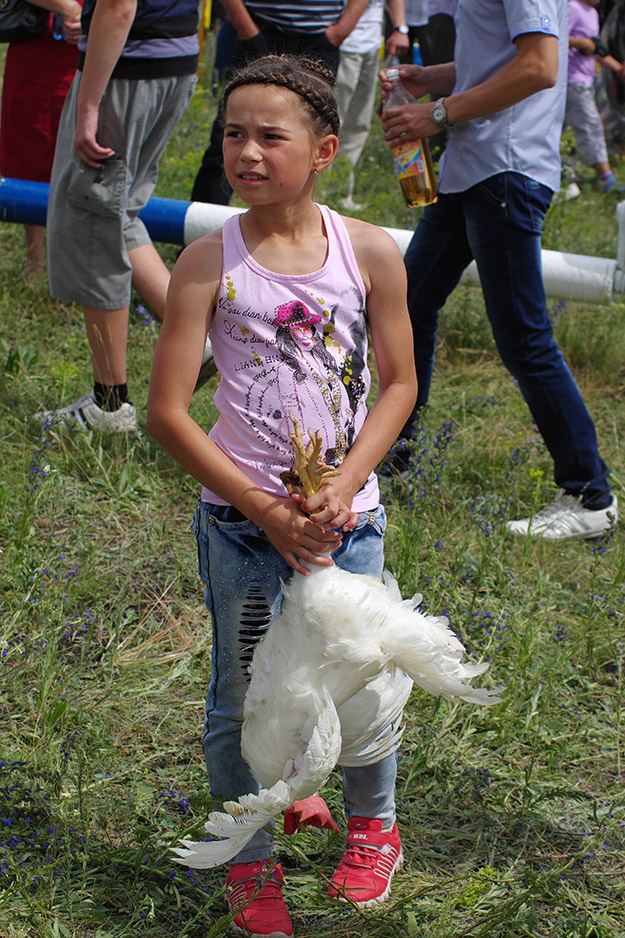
300 370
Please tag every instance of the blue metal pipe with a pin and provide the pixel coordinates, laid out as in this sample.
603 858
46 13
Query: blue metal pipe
26 203
23 202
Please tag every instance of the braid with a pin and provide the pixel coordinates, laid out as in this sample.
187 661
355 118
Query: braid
311 80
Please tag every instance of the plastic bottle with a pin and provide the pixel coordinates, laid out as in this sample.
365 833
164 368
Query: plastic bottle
413 163
58 26
417 58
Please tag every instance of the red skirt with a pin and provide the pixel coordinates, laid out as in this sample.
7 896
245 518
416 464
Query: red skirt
37 75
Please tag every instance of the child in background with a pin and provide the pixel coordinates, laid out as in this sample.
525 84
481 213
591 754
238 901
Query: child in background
287 292
581 110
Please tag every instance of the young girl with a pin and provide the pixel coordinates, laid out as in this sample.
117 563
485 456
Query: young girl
286 291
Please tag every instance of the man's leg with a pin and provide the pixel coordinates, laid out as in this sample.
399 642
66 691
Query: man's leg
504 224
210 183
435 260
150 276
107 333
34 252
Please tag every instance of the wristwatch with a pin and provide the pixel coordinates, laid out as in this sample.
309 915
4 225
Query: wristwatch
439 113
403 29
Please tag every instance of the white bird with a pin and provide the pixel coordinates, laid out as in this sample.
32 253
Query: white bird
329 678
331 675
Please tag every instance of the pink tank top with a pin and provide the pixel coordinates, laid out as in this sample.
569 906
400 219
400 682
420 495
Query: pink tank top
290 345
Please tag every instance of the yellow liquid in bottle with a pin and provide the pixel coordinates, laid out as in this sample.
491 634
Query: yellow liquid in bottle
415 173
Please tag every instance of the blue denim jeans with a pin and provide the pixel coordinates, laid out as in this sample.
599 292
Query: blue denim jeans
242 573
499 224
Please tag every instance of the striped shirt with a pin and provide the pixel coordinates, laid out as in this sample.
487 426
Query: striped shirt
311 16
162 42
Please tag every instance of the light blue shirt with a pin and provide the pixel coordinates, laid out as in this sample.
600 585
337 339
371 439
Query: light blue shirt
524 138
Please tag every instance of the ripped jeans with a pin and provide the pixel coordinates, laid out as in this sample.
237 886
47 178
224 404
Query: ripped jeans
241 572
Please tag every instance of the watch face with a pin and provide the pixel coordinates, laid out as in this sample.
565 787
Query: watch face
403 29
439 114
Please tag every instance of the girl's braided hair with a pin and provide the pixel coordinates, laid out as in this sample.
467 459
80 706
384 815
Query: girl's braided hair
311 80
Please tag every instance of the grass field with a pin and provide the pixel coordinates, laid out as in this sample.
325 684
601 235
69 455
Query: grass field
512 818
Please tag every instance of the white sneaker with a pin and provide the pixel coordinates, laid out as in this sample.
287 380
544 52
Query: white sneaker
570 192
565 519
84 414
208 368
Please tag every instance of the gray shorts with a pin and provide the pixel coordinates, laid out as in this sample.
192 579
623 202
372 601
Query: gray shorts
92 213
583 117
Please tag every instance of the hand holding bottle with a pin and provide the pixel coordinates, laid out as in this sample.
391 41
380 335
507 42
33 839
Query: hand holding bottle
411 152
413 79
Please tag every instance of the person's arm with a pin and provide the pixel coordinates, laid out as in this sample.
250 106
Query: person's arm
591 46
613 65
70 10
533 68
240 18
108 33
583 44
397 42
191 298
339 31
384 275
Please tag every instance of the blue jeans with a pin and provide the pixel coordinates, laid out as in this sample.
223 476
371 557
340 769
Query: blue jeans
499 223
242 571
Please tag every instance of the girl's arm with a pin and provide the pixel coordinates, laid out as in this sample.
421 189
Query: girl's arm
191 299
588 46
384 275
609 62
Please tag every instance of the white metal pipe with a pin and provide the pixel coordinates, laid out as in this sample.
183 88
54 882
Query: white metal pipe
570 277
566 276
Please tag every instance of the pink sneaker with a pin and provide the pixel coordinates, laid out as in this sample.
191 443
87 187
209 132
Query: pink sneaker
254 892
371 857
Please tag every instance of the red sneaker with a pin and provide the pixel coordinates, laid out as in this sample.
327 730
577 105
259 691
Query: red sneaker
254 892
371 857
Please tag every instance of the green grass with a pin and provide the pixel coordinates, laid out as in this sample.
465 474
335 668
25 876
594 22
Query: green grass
512 818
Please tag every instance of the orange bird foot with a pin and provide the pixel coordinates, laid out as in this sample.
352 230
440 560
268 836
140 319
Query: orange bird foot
310 812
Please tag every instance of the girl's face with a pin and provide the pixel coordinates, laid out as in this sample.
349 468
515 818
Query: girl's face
270 153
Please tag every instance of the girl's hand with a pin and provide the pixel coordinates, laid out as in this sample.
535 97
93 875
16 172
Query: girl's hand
296 537
331 506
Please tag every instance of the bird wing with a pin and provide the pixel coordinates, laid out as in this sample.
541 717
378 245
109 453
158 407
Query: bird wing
371 719
429 652
237 825
313 766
